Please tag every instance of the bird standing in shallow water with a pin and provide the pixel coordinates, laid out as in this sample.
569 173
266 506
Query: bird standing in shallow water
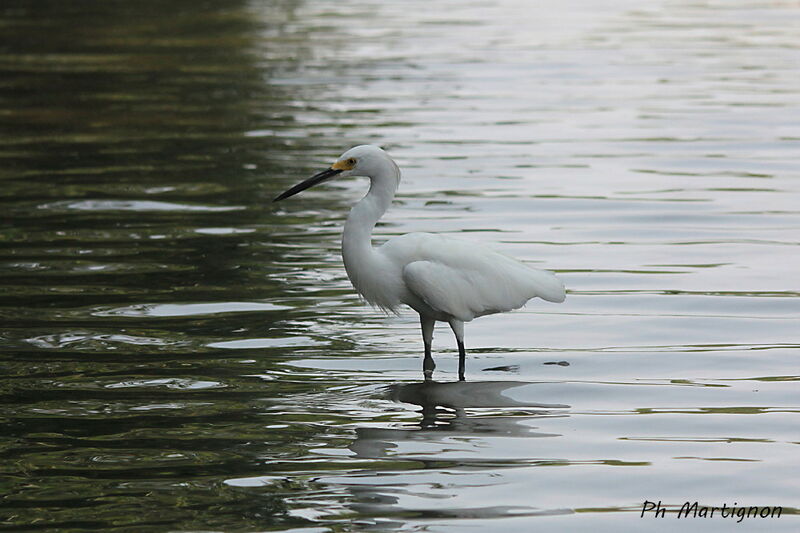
442 279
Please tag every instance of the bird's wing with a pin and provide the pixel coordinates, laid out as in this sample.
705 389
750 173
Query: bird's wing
467 280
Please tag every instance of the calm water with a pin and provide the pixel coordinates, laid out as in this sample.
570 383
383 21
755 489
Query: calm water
179 354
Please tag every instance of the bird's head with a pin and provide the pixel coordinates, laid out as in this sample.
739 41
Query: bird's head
364 160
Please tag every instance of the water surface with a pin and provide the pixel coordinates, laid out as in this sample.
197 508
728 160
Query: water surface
179 354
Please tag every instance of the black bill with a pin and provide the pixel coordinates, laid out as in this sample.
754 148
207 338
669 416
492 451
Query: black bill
310 182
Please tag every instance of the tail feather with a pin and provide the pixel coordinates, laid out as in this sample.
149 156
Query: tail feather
548 287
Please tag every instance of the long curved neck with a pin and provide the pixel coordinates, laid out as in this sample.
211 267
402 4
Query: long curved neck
357 236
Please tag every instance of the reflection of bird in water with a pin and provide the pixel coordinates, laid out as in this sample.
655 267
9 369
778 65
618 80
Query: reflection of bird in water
450 443
442 279
458 396
444 415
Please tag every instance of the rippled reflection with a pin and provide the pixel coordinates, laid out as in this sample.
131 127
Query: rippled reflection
444 416
178 353
448 437
461 395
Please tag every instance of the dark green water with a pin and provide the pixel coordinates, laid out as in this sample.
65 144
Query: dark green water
179 354
136 238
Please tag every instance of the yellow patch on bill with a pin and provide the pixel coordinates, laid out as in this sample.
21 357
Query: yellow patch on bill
344 164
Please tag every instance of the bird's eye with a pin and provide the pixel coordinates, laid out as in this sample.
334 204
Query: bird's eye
351 161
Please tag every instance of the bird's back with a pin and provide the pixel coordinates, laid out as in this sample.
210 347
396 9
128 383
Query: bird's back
466 280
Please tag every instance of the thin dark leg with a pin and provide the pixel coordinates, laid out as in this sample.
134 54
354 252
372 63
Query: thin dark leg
462 357
458 330
427 339
427 364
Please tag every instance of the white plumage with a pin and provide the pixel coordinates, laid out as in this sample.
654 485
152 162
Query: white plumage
465 280
443 279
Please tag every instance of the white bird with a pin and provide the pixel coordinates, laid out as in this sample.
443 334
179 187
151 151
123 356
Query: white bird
442 279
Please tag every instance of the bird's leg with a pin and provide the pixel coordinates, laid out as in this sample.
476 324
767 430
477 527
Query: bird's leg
458 329
427 339
462 361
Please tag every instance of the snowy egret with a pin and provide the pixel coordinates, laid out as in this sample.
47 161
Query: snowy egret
443 279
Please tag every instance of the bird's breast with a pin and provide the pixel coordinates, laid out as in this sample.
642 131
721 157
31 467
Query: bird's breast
377 279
